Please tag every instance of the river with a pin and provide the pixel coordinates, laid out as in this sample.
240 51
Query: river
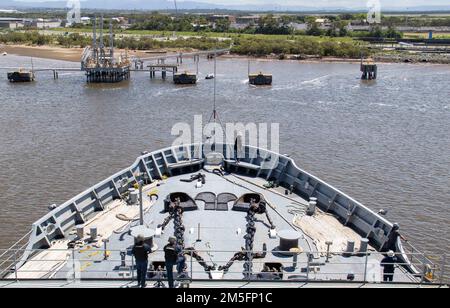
387 144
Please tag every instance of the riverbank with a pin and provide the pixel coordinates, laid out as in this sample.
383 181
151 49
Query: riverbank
379 58
45 52
74 55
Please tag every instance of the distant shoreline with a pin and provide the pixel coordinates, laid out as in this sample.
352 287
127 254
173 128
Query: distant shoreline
74 55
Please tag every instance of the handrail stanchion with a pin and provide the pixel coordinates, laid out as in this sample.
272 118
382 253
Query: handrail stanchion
192 271
308 255
73 264
15 266
365 267
441 283
132 269
424 272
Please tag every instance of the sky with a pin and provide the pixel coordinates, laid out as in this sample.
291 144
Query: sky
326 3
331 2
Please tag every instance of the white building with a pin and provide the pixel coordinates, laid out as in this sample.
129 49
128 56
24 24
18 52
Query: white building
47 23
11 23
299 26
85 20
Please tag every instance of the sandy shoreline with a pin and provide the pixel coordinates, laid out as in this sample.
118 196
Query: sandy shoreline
54 52
74 55
45 52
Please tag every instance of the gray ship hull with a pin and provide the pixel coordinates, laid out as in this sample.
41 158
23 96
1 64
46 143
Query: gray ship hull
223 239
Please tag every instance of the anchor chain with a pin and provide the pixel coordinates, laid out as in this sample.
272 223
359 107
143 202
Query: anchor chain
166 221
247 253
178 224
238 256
250 238
263 209
193 253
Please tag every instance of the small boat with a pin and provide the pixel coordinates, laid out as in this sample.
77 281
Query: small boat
21 76
4 54
260 79
209 76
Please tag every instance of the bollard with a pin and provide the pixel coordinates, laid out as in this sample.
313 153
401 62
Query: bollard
133 196
311 208
80 231
94 234
350 249
363 246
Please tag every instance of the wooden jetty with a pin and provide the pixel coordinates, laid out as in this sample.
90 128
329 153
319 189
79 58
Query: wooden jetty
163 68
369 69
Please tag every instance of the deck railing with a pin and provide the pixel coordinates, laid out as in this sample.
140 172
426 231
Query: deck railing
330 267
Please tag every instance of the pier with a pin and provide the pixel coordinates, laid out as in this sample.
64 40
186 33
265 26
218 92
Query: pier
107 75
101 66
369 69
178 78
163 68
100 63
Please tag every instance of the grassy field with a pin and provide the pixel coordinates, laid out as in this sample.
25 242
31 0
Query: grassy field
425 35
169 33
204 34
